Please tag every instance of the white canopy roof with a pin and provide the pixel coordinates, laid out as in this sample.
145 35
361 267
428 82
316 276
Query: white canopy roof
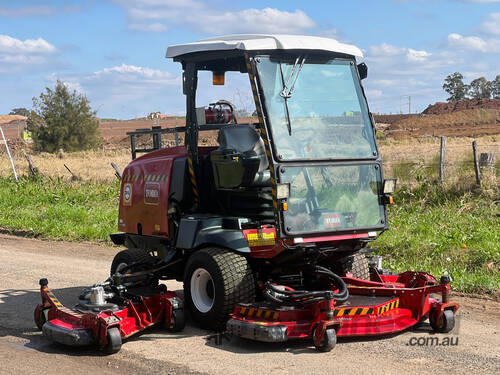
252 42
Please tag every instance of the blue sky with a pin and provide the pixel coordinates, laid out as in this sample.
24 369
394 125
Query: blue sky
113 50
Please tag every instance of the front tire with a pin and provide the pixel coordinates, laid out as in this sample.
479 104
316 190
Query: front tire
215 280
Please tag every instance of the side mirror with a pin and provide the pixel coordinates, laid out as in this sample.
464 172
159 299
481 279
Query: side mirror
362 70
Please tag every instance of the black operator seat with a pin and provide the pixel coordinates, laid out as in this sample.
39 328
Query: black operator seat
240 160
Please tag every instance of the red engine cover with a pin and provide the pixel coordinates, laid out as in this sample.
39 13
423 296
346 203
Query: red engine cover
144 192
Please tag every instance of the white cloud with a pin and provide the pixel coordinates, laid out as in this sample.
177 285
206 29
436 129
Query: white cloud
40 10
385 50
19 55
153 27
9 44
136 74
417 56
127 90
26 12
492 24
473 43
155 15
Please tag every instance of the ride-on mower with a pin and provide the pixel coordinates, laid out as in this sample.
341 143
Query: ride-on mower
269 230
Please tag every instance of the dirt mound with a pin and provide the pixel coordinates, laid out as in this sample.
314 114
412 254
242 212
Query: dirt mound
469 123
391 119
461 105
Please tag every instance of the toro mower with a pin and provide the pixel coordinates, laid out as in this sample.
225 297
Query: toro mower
125 304
269 229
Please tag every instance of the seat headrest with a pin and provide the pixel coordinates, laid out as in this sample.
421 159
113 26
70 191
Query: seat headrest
238 137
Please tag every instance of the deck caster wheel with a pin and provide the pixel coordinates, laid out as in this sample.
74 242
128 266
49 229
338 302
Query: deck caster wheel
114 341
328 342
178 321
445 324
39 317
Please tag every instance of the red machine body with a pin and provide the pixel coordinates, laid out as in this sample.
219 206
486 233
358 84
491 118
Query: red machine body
76 328
145 192
389 305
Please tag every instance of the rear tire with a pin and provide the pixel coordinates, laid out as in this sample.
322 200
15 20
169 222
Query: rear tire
357 264
127 257
215 280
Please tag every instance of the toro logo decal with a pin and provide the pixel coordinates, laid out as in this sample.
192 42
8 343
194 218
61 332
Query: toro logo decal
152 193
332 221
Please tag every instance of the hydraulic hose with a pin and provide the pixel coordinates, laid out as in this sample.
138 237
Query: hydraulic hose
300 297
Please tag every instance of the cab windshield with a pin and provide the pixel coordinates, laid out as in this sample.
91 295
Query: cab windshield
316 109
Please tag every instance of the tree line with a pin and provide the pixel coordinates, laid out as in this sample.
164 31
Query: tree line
480 88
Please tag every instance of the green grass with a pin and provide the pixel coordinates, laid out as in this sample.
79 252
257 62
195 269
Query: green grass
451 229
57 209
445 231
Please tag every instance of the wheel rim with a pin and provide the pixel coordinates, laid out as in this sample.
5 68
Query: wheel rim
202 290
121 266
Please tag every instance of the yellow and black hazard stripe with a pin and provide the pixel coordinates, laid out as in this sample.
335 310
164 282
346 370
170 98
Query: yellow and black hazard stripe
353 311
265 138
251 312
388 306
146 178
192 177
60 306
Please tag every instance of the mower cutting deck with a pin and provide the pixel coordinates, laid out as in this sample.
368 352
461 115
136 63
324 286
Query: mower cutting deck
392 304
108 313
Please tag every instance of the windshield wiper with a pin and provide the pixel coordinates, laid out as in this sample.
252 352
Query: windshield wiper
288 87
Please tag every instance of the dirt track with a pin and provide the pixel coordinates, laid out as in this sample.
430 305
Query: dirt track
70 267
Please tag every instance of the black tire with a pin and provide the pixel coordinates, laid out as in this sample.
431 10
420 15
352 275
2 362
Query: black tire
231 282
445 324
127 257
114 341
357 264
39 317
328 342
178 321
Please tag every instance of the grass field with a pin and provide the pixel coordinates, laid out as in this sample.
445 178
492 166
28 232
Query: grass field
58 209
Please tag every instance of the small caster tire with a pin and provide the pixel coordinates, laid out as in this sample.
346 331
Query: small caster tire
39 317
178 321
445 324
328 342
114 341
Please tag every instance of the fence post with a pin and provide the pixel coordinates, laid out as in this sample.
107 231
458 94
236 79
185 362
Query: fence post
442 159
31 165
476 164
10 156
118 174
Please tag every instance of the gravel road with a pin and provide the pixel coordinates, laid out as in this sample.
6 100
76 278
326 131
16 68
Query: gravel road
73 266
